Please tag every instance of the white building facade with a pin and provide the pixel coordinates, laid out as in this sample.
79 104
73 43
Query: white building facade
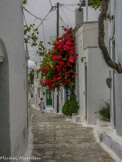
41 92
113 138
115 38
13 82
91 87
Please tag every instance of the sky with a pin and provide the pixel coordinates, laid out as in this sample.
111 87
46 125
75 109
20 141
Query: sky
47 31
41 8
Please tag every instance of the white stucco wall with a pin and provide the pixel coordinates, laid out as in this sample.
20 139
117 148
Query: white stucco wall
118 30
61 99
115 8
112 139
118 51
55 100
11 32
97 72
111 40
79 69
98 91
118 97
36 91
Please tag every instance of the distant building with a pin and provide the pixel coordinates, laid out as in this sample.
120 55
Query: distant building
34 56
31 64
41 92
84 2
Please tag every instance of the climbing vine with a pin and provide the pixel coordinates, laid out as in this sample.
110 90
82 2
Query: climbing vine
31 75
24 1
31 36
96 4
103 6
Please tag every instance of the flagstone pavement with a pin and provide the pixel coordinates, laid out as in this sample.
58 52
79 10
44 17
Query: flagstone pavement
58 140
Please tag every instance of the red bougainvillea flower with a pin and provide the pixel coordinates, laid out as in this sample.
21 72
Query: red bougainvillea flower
73 76
61 63
71 52
65 47
58 78
72 59
59 38
61 70
54 78
66 80
68 64
60 74
67 75
52 68
45 70
59 57
68 43
54 58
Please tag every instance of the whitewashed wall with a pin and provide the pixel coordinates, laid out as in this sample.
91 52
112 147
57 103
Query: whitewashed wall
118 51
11 33
115 41
98 91
97 72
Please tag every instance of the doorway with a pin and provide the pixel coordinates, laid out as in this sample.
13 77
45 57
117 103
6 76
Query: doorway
48 97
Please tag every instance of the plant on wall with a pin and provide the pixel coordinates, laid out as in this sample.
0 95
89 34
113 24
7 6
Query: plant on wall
58 67
105 111
31 34
31 75
24 1
47 72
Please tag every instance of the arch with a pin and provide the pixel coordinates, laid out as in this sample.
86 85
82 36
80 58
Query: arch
4 103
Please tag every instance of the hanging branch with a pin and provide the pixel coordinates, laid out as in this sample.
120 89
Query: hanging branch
101 35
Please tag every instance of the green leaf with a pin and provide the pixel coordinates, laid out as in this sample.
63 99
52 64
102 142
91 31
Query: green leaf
24 2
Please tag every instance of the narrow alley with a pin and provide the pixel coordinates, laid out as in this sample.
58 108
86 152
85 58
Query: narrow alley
63 58
57 140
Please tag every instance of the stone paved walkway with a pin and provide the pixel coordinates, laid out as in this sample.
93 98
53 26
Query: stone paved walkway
58 140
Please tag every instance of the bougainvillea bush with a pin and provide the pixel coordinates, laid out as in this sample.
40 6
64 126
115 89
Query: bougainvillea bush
58 67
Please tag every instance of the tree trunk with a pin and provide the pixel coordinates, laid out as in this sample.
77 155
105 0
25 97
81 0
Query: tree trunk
71 91
101 36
